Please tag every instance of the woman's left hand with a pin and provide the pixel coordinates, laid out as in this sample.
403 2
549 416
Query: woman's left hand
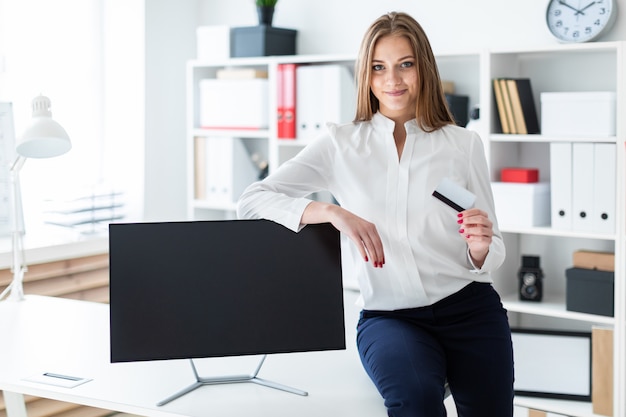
477 230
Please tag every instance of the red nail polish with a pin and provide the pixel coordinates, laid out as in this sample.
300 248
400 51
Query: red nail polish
461 230
459 215
460 221
467 236
366 258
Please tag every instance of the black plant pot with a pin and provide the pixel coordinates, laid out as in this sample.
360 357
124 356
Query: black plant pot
266 14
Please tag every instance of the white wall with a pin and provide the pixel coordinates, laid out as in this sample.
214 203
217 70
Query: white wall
336 26
324 26
170 42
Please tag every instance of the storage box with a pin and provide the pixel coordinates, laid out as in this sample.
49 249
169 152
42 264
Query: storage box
459 107
234 104
262 41
589 291
213 43
522 205
602 261
578 114
524 175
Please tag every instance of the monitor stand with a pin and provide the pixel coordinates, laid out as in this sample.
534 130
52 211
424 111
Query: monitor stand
231 380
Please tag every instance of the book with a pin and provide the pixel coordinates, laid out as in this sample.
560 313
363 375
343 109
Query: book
497 91
508 110
516 107
523 106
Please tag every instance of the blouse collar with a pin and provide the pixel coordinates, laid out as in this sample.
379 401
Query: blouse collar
385 124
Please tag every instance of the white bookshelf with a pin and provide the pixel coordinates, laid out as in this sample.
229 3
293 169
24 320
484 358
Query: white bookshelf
585 67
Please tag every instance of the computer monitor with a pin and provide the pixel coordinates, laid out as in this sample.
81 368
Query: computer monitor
202 289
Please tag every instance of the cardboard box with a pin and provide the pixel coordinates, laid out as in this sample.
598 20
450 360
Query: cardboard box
234 104
578 114
262 41
524 175
213 43
522 205
602 261
590 291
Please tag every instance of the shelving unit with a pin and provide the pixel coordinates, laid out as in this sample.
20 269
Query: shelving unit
585 67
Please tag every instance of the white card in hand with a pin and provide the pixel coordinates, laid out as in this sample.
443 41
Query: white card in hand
454 195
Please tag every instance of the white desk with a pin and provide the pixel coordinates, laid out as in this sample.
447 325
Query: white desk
44 334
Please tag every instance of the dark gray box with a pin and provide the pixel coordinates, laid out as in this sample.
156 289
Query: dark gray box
262 40
459 106
590 291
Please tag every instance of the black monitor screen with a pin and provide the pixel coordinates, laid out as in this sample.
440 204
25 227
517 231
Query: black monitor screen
223 288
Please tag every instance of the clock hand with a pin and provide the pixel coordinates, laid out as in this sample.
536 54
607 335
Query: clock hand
586 7
564 3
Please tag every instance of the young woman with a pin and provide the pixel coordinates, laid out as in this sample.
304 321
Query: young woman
430 313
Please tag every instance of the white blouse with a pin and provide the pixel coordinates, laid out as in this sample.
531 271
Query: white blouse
426 259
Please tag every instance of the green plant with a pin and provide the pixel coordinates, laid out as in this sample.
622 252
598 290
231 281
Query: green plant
266 3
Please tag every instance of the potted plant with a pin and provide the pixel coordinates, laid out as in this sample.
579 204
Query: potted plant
265 10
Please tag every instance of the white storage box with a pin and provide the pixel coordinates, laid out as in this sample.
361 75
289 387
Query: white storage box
213 43
522 204
234 104
578 114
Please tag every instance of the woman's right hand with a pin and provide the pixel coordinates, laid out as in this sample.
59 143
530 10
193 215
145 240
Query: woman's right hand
360 231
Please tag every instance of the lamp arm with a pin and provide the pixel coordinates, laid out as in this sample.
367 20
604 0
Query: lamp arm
18 266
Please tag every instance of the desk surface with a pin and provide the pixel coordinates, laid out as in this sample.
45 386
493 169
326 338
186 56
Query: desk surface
45 334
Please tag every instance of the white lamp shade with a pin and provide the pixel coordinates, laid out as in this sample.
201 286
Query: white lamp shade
44 138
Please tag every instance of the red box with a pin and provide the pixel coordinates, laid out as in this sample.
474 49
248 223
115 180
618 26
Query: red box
526 175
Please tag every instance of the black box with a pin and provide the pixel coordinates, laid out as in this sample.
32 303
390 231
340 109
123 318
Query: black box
590 291
262 40
459 107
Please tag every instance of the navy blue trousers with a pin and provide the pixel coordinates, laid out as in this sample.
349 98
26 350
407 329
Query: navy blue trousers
464 339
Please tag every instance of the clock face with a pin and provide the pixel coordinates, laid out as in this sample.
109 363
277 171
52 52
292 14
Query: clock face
580 20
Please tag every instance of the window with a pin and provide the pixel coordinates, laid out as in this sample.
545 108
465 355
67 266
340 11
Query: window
87 57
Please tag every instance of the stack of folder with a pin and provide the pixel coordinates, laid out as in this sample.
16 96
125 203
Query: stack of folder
516 107
223 169
309 96
583 179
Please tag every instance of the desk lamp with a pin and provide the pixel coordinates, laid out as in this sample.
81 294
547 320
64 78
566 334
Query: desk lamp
44 138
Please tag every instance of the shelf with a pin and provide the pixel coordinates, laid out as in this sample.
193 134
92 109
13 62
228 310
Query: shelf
278 59
562 407
293 142
501 137
211 205
234 133
548 231
551 306
560 48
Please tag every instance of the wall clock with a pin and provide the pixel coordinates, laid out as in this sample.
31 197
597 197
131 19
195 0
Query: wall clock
580 20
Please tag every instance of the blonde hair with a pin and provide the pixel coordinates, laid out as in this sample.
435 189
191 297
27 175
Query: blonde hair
432 110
